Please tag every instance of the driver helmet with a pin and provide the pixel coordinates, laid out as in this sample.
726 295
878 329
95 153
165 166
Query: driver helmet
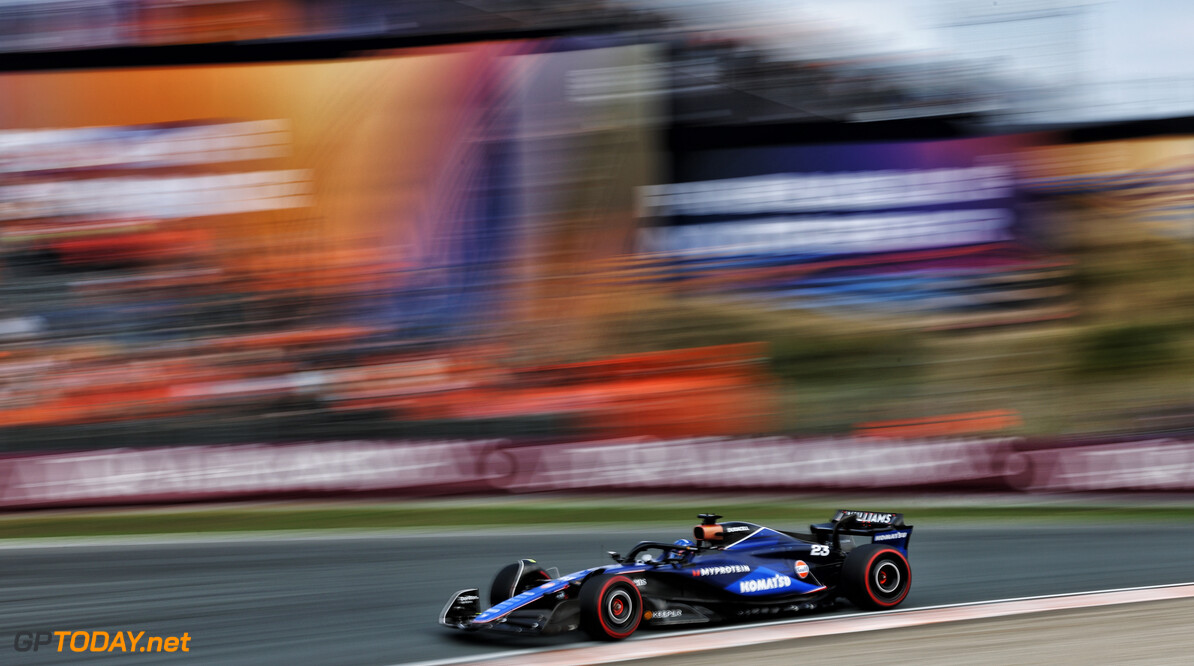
680 552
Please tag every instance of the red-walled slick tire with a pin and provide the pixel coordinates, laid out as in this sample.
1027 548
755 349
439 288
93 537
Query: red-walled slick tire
876 577
610 607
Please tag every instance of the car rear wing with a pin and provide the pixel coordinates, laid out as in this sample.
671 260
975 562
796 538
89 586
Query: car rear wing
882 527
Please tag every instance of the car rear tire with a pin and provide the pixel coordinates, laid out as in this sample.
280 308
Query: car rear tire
876 577
611 607
514 579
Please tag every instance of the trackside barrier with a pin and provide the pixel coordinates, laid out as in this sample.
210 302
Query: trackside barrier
429 468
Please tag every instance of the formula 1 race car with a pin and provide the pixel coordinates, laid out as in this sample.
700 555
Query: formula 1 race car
730 570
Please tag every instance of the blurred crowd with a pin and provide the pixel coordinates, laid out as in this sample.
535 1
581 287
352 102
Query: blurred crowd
596 222
41 25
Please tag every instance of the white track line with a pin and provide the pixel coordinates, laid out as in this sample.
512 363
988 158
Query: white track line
645 646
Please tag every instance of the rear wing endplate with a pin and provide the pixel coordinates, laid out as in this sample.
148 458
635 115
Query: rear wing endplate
885 526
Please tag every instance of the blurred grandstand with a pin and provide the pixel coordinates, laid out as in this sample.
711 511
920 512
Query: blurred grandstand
556 220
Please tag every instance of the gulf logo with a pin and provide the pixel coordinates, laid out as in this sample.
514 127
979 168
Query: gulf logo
801 569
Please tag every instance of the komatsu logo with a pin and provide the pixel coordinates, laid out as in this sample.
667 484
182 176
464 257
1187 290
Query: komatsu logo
775 582
890 536
717 571
865 517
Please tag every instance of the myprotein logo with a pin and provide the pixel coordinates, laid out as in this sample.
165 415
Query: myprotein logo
776 582
98 641
718 571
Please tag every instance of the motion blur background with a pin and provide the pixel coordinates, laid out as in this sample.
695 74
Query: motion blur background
273 222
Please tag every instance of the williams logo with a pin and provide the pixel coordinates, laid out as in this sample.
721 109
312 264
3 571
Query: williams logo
870 517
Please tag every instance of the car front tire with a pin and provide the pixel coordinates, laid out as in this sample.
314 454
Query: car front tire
514 579
611 607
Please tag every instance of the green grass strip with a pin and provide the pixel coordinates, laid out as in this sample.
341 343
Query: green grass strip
546 513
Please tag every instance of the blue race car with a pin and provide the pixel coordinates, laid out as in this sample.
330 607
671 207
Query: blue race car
731 570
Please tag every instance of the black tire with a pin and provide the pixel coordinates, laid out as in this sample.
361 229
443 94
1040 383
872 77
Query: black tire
611 607
515 579
876 577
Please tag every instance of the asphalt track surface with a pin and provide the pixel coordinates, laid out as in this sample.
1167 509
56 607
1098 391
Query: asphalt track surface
373 599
